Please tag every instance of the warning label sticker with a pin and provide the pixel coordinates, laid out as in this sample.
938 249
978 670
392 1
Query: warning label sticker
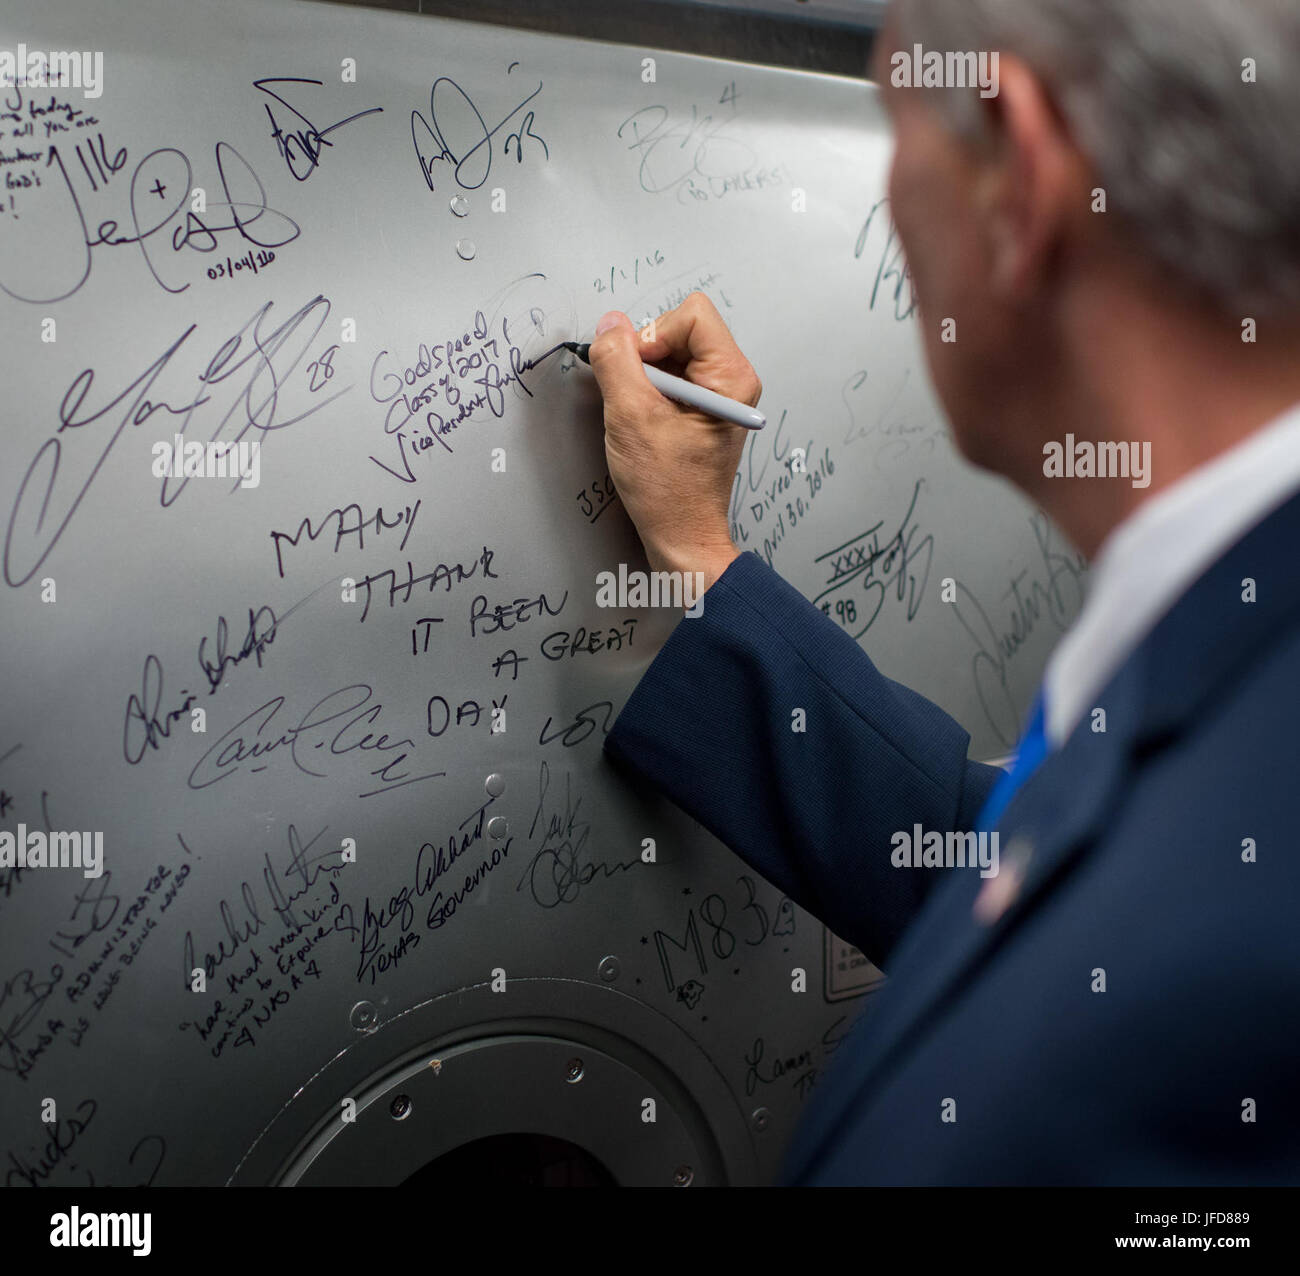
848 973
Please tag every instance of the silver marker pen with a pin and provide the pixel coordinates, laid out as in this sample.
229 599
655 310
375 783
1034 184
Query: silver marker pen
687 392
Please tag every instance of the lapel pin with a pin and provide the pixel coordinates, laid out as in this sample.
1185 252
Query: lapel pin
1000 891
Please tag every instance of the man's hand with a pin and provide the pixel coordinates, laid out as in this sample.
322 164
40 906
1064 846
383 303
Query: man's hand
673 466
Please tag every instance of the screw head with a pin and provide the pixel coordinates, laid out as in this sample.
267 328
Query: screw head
609 969
760 1119
683 1176
364 1017
400 1108
573 1073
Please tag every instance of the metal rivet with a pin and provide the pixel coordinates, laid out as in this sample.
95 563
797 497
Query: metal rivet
608 969
573 1073
498 827
495 785
683 1176
400 1108
364 1017
760 1119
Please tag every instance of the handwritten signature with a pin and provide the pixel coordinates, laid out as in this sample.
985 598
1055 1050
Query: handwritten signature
692 157
440 397
301 142
902 562
1052 593
460 137
890 266
557 871
264 731
392 920
249 370
247 214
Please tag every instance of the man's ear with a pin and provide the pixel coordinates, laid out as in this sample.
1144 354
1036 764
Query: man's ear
1028 191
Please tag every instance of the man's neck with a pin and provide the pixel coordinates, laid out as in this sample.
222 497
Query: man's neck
1183 382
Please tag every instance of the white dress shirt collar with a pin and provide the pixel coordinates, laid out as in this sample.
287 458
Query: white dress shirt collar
1154 556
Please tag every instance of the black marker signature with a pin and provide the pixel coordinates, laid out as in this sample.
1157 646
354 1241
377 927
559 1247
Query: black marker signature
674 154
147 723
1052 593
903 562
163 170
431 864
261 732
260 635
891 266
451 390
469 127
557 873
251 366
60 1138
21 997
240 932
301 144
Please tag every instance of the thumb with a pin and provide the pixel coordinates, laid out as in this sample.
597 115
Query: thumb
616 362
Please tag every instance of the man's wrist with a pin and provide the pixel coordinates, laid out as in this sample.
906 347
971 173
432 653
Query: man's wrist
719 564
703 568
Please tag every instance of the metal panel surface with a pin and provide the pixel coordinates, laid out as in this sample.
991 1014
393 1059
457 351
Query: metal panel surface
350 237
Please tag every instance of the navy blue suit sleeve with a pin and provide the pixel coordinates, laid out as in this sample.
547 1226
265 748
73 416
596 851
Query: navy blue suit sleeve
710 724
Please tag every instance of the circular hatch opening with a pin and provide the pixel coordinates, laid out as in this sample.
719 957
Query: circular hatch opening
514 1160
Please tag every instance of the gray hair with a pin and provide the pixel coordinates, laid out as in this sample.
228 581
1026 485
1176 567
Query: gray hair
1202 165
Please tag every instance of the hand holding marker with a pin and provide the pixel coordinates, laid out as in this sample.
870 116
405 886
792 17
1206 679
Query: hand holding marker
687 392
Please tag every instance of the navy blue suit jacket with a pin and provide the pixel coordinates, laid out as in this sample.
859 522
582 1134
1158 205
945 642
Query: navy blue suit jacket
1136 869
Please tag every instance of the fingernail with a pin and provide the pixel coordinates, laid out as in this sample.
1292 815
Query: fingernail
608 321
